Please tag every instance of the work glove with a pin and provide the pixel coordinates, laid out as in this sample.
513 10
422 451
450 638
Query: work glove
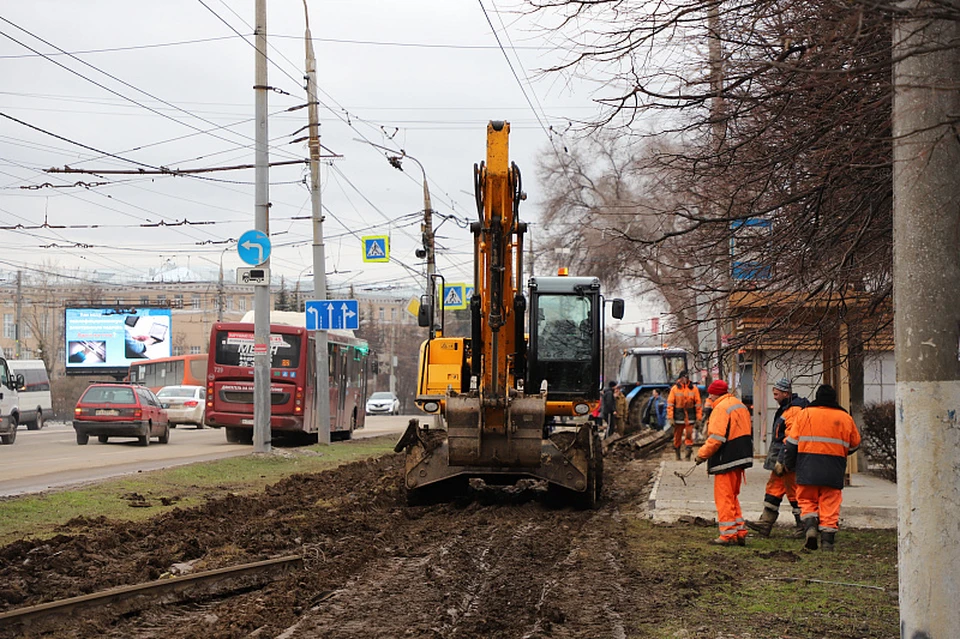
700 460
779 469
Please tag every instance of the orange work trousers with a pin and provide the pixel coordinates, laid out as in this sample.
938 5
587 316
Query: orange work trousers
726 495
679 430
784 485
822 502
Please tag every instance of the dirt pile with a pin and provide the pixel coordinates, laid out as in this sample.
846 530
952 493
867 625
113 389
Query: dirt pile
495 563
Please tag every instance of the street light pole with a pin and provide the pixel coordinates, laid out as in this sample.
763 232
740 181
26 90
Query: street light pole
426 230
319 260
428 251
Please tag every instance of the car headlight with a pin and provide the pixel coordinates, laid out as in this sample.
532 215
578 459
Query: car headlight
581 409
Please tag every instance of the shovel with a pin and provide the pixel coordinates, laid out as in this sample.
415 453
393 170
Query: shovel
683 476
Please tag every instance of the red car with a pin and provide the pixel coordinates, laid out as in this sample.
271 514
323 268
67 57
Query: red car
120 410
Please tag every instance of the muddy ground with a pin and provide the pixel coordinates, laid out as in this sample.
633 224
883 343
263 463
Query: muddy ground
493 564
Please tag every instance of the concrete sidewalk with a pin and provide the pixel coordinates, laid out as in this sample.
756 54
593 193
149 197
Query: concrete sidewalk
869 502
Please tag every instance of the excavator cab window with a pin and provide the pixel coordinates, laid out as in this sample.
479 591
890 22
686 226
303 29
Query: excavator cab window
565 328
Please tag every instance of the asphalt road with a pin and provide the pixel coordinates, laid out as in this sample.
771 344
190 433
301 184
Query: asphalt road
50 458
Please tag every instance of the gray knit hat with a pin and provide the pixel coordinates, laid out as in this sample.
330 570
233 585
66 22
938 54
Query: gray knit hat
784 385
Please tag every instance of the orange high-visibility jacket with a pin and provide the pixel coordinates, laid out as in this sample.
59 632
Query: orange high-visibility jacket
729 442
684 396
817 444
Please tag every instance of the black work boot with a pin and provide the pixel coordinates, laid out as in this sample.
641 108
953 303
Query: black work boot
689 453
799 532
677 451
811 527
826 541
764 525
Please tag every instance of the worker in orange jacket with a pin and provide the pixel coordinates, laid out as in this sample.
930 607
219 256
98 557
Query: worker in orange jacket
817 445
781 482
728 451
683 411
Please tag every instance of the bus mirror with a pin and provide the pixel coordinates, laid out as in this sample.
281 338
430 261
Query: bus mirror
424 312
19 382
617 308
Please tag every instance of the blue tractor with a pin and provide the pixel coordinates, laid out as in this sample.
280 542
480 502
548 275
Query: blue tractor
643 370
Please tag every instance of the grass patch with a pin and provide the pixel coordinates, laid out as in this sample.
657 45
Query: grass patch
148 494
768 589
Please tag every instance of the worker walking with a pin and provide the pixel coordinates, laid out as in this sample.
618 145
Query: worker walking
683 411
728 451
817 445
781 481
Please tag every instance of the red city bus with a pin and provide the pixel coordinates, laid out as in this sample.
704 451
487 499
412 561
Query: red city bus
182 370
293 409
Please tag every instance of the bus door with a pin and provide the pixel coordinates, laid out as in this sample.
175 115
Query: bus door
343 382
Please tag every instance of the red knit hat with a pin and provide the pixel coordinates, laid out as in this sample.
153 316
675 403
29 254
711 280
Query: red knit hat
718 387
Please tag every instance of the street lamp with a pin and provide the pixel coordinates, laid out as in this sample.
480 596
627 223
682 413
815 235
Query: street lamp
428 250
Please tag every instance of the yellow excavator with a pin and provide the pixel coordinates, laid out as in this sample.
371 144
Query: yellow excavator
507 399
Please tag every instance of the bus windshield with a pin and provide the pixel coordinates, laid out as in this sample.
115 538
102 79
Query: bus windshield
235 348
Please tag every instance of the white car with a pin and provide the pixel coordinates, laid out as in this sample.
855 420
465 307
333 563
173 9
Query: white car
185 404
383 403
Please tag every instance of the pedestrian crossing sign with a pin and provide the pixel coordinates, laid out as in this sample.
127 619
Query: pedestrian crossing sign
376 248
467 294
453 297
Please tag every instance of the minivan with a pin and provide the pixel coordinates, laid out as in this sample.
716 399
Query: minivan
35 403
10 385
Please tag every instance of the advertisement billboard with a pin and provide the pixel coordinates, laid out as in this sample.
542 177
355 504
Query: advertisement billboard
107 340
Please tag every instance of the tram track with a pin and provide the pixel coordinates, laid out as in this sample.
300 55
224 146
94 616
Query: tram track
126 599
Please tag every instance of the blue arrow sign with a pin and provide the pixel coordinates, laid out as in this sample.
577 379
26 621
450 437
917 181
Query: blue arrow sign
254 247
332 315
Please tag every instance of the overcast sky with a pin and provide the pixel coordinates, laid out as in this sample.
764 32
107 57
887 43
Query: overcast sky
124 84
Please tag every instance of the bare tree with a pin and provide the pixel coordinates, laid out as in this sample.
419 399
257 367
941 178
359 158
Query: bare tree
779 185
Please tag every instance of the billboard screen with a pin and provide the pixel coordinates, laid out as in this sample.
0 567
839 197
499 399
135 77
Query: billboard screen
107 340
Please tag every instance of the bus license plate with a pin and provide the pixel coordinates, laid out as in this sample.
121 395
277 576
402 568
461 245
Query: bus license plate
246 422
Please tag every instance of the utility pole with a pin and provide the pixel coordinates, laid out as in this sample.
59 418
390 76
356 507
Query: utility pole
261 292
220 292
319 259
926 287
19 326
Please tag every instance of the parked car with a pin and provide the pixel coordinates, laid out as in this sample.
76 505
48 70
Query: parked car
185 404
120 410
383 403
35 403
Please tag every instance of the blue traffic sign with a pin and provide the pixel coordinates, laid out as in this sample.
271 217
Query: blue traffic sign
254 247
332 315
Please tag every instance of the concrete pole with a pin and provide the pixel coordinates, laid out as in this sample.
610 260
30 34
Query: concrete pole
715 52
261 292
319 259
18 350
926 274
